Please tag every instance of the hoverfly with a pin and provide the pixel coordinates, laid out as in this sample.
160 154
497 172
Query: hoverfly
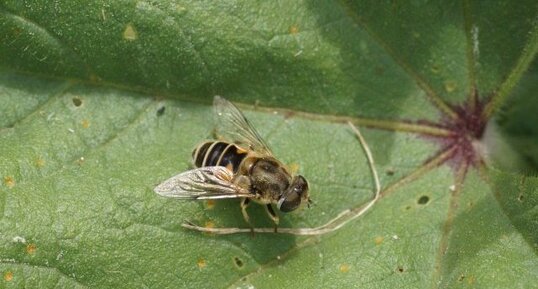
241 165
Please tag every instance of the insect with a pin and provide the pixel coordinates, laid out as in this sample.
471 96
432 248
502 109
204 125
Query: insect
241 165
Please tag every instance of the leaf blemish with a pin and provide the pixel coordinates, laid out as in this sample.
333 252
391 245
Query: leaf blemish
161 110
8 276
423 200
390 172
129 33
9 181
209 225
77 101
344 268
31 248
471 280
461 278
201 263
293 29
378 240
80 161
210 204
238 262
85 123
39 162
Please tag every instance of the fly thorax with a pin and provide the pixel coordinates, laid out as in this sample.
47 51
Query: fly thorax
269 177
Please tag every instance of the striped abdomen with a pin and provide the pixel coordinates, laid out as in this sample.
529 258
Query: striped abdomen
218 153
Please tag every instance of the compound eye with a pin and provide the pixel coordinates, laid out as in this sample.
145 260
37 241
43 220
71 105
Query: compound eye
289 202
293 197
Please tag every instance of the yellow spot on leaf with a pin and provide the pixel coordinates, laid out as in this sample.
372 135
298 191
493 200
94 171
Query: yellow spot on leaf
31 248
8 276
450 86
378 240
39 162
201 263
344 268
85 123
293 29
130 33
210 204
9 181
294 168
471 280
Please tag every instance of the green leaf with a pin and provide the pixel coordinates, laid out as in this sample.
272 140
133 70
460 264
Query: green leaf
102 101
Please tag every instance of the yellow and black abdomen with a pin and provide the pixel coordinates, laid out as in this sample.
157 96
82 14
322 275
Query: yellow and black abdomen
218 153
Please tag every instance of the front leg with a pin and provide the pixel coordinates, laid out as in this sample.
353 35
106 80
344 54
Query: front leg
244 205
271 213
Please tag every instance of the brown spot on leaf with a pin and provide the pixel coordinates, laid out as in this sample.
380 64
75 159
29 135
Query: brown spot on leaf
378 240
31 248
293 29
210 204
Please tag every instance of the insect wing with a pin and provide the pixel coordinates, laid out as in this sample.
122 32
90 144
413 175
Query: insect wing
202 183
234 127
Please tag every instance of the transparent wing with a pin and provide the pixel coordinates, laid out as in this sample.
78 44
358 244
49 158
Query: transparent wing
202 183
234 127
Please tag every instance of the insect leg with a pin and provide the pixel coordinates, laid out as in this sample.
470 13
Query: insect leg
244 205
271 213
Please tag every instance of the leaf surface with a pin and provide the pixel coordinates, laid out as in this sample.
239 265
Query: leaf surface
102 101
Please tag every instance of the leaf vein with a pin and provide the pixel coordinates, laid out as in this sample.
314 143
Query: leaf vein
427 88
